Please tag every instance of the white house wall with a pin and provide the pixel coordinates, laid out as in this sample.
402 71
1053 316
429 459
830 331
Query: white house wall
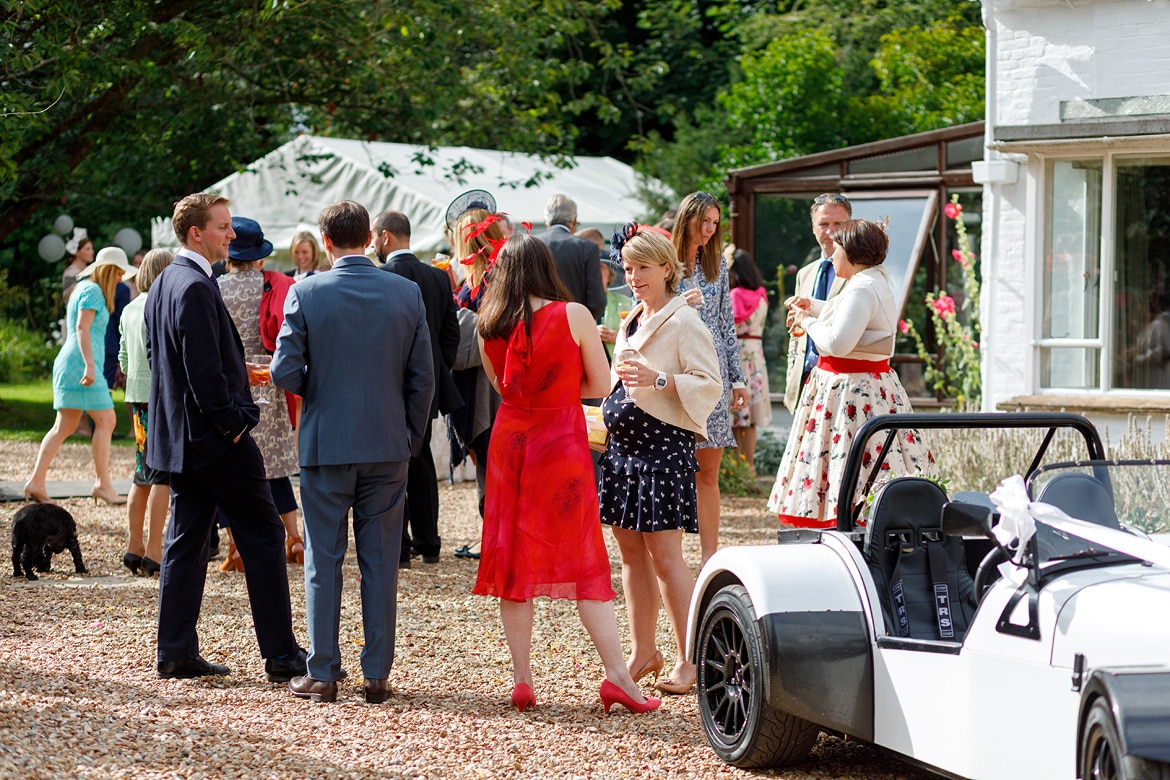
1042 54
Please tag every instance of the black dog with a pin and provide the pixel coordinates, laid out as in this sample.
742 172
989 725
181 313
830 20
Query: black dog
39 531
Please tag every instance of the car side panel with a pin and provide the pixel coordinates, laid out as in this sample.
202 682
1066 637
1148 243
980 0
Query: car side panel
822 669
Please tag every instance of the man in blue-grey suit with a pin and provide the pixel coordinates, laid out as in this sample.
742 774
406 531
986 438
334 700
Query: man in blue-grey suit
200 413
356 347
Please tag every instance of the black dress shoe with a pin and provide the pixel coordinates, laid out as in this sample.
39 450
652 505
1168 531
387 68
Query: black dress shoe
149 568
286 667
132 562
315 690
190 667
404 563
377 691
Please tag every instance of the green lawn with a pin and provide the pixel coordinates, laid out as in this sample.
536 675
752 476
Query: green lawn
26 413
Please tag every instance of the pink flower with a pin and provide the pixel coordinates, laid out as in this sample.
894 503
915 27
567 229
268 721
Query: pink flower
943 305
903 326
957 254
952 210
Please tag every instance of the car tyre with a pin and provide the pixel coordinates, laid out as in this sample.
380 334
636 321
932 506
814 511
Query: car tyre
1102 756
742 726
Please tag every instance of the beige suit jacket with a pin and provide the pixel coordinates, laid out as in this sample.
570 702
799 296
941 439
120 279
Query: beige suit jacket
806 277
676 341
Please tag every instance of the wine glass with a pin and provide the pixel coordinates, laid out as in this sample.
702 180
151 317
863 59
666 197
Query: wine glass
622 360
259 373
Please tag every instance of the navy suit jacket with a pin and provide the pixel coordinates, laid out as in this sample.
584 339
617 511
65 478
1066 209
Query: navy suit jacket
442 321
356 347
579 266
199 397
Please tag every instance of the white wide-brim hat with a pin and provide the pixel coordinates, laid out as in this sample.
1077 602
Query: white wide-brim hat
110 255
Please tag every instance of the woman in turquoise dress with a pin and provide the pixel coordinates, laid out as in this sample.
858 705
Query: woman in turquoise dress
79 385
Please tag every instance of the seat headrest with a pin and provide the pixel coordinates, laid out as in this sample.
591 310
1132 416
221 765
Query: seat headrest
910 503
1081 496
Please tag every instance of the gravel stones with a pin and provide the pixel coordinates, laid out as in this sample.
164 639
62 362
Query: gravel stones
79 698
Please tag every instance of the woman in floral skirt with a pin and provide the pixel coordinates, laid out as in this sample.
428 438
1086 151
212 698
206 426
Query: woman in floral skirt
852 382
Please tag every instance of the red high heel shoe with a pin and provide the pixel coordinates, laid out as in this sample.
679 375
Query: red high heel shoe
523 697
611 695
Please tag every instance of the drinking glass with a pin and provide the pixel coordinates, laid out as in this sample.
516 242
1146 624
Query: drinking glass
259 372
622 359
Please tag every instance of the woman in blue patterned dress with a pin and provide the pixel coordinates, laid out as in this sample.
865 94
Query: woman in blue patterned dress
699 245
79 385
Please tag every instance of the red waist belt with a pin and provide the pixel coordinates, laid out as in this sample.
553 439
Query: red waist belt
852 365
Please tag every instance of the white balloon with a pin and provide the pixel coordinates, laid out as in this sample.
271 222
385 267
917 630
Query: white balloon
129 239
51 248
63 225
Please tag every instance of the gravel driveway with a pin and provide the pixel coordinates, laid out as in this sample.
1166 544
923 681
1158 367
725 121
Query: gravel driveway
79 698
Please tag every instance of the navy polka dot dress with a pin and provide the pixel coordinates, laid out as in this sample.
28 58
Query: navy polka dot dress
647 471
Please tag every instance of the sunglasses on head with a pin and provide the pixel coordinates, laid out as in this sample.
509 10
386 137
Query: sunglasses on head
831 198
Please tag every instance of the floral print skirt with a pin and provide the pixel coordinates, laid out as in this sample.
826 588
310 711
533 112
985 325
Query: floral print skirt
832 407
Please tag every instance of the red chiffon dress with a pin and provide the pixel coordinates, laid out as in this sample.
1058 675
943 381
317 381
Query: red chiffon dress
541 532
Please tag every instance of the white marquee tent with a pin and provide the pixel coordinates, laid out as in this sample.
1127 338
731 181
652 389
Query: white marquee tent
286 189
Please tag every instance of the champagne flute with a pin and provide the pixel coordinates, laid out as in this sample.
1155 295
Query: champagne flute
622 360
259 373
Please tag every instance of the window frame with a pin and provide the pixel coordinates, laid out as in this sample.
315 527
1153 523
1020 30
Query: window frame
1104 342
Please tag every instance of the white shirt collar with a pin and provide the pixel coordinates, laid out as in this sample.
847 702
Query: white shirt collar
199 259
396 253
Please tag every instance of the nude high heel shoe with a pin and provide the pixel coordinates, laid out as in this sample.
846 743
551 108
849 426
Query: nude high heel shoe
111 497
36 495
653 666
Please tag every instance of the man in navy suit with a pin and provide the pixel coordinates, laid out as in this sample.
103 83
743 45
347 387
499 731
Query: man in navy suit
356 348
201 412
392 246
575 257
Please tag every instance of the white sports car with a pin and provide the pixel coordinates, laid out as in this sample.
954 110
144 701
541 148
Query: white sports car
1037 648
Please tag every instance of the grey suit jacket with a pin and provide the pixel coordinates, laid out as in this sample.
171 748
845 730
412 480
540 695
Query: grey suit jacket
806 277
579 266
356 347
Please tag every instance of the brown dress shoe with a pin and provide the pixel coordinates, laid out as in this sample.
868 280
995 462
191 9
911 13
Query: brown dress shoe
377 691
315 690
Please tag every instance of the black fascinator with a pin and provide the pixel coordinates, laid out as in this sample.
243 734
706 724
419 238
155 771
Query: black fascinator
472 199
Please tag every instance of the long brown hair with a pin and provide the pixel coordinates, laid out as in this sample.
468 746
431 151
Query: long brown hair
524 268
107 278
690 213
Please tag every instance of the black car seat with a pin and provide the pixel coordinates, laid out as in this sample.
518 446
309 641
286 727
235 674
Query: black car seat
1081 496
1078 495
920 573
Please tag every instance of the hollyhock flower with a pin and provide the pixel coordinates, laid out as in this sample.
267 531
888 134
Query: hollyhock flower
904 327
952 210
943 305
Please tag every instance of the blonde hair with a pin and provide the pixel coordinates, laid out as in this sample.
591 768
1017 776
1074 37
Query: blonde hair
152 265
479 246
107 278
305 237
652 248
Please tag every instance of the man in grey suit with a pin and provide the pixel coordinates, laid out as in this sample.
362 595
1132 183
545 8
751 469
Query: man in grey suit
356 347
575 257
815 280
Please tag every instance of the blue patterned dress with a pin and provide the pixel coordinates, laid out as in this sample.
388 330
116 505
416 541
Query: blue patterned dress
717 316
69 366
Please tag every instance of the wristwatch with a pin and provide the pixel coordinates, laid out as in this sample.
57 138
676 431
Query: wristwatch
660 381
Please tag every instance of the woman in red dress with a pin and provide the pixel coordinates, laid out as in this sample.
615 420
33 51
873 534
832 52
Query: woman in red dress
541 532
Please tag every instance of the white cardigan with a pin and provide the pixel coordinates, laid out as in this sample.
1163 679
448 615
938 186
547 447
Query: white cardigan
860 323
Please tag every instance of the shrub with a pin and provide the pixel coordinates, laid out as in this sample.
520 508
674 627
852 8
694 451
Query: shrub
769 451
25 355
735 477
